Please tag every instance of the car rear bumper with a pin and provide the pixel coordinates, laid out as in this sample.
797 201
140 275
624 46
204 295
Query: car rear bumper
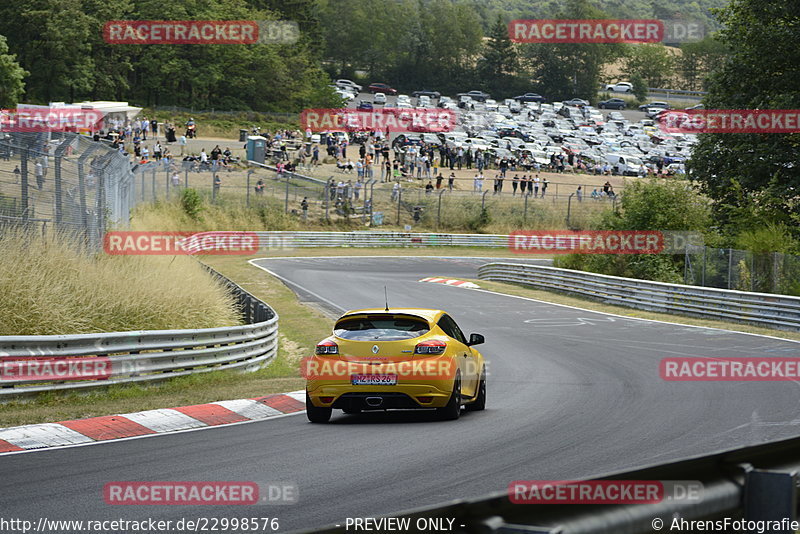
404 396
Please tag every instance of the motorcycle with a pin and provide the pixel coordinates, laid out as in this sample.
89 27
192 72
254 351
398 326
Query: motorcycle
191 131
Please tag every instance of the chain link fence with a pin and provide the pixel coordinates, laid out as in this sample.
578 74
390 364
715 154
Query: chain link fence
742 270
63 182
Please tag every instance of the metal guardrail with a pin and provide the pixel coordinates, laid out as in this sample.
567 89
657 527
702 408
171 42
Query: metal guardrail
271 240
144 356
756 484
763 309
677 91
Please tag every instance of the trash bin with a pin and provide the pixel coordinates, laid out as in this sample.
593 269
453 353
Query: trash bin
242 136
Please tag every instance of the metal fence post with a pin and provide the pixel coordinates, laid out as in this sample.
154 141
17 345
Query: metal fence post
483 200
247 197
286 196
399 196
525 211
439 210
569 209
24 182
168 178
703 275
730 266
153 185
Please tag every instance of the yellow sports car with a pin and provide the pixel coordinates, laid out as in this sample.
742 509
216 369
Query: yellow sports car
403 358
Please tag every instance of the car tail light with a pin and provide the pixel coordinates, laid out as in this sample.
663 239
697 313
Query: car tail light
432 346
326 400
327 347
425 399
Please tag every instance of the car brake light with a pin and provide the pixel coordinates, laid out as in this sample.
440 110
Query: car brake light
327 347
432 346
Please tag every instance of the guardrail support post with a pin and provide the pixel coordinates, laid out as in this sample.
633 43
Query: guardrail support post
483 200
770 496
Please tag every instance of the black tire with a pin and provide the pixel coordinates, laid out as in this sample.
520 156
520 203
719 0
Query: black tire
317 415
480 402
452 410
602 106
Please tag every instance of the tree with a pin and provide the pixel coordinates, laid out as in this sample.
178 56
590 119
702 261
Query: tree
649 204
639 87
12 75
563 71
762 72
499 55
697 60
655 63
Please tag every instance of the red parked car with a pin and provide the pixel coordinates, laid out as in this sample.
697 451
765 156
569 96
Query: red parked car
381 88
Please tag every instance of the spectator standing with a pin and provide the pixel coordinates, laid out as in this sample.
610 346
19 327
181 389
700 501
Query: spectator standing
579 193
451 181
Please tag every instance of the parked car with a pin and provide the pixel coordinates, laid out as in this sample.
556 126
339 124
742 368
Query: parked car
379 98
348 85
620 87
577 102
612 103
364 105
381 88
663 105
478 96
529 97
425 92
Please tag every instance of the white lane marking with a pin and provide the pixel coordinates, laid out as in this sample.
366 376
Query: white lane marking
42 435
249 408
295 284
165 420
518 296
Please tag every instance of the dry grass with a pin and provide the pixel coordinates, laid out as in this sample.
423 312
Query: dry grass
49 287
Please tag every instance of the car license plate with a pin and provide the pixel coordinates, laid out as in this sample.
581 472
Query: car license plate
373 380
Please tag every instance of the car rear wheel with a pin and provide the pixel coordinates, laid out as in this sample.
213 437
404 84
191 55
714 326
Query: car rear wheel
317 415
452 410
480 402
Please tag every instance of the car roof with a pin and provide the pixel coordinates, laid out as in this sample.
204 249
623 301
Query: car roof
428 314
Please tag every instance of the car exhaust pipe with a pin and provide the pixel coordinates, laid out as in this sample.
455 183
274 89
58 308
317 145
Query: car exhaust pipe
374 402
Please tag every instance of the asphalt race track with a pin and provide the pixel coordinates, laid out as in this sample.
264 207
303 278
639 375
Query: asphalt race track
571 393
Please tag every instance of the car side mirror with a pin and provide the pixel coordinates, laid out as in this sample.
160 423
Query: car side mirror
475 339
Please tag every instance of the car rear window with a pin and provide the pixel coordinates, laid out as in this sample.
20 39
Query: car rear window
380 327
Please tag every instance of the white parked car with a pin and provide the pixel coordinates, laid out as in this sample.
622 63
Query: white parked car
403 98
620 87
348 85
379 98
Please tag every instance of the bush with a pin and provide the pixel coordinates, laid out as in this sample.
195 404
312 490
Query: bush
191 203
